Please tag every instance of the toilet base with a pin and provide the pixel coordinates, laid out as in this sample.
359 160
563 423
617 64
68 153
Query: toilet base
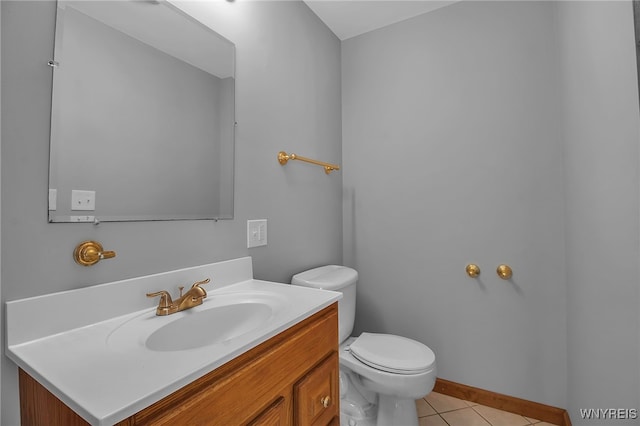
346 420
361 407
394 411
390 411
357 405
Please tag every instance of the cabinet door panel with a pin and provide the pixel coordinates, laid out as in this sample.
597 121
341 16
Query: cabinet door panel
316 400
274 415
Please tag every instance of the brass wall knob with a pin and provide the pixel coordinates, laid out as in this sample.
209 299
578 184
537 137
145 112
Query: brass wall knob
473 270
89 253
504 271
325 401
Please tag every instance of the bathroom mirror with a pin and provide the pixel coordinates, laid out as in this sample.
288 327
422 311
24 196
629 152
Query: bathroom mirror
142 117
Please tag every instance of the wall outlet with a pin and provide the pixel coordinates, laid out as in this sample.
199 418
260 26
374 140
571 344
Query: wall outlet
256 233
83 200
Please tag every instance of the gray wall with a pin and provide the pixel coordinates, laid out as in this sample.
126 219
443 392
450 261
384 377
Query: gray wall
452 155
601 134
288 97
501 132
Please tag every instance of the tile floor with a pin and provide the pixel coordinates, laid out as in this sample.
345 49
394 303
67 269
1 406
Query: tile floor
437 409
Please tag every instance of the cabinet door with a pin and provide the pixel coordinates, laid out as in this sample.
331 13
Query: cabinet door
316 396
274 415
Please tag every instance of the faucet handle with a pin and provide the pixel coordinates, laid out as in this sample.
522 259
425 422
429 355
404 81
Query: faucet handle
165 299
199 283
201 291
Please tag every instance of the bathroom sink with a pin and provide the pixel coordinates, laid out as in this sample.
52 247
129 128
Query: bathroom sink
210 326
219 320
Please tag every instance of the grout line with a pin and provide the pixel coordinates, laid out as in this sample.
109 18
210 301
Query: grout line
434 408
444 420
480 414
444 411
487 420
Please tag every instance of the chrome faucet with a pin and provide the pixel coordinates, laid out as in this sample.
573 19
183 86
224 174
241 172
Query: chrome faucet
193 297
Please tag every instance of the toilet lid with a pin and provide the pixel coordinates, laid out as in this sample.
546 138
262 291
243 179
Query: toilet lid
395 354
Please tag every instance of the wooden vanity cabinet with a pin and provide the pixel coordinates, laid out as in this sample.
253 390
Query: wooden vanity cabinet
291 379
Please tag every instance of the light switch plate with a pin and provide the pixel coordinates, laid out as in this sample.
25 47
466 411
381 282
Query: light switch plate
256 233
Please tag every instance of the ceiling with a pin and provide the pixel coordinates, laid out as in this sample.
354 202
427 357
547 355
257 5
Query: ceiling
349 18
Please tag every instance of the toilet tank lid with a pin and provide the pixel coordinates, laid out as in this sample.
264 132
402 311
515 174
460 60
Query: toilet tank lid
330 277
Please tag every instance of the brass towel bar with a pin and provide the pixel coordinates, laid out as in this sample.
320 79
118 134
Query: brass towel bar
283 157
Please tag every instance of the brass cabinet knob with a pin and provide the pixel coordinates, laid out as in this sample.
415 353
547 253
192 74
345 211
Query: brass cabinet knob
89 253
504 271
326 401
473 270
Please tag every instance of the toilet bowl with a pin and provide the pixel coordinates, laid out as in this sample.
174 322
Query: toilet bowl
381 375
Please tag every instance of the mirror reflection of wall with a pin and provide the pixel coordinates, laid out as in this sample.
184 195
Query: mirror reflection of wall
145 124
636 26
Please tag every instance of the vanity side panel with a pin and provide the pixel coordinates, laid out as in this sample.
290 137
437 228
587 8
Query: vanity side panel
39 407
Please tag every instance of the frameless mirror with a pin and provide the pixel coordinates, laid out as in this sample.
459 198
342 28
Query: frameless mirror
142 117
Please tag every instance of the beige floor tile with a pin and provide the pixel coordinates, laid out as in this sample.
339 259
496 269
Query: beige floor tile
434 420
424 409
464 417
470 404
500 418
443 403
532 420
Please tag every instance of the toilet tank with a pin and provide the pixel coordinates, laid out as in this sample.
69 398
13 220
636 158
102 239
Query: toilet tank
335 278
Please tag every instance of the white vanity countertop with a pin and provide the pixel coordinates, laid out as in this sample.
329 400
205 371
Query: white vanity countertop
105 380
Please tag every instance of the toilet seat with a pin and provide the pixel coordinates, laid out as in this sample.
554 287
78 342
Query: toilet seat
393 354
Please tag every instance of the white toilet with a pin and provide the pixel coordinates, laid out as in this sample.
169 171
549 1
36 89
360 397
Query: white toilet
381 375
